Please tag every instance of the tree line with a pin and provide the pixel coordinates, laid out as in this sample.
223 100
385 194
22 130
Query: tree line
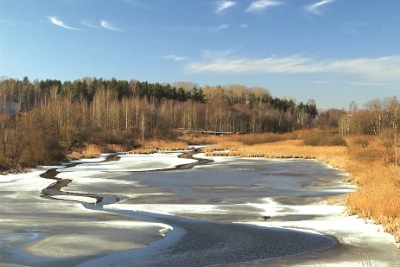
56 117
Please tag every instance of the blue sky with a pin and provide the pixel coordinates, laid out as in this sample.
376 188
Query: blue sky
333 51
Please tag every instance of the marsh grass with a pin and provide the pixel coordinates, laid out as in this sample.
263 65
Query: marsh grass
93 151
153 146
324 139
88 151
247 139
361 141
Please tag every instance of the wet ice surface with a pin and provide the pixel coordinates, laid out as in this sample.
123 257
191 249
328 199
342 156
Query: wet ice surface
175 218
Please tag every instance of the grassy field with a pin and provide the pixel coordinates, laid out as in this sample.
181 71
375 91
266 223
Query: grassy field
369 163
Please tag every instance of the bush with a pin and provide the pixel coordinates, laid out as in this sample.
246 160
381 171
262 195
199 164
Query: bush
253 139
387 138
324 140
369 155
362 142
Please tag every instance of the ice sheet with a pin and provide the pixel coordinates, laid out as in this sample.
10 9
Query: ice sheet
229 189
133 163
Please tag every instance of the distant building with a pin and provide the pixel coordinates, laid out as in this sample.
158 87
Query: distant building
9 107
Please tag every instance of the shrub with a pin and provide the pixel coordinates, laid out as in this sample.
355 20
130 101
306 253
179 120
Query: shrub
369 155
253 139
387 138
324 140
361 141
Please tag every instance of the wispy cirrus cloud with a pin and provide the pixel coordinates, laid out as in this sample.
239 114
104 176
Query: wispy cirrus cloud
224 4
382 68
207 54
107 25
196 28
59 23
314 8
373 84
260 5
174 57
220 27
320 82
89 23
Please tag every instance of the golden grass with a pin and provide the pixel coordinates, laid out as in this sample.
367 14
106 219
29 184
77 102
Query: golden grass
94 151
378 196
282 149
89 151
152 146
246 139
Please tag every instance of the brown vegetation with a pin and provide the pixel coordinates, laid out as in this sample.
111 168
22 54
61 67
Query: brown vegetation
153 146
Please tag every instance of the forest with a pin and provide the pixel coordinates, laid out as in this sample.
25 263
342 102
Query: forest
53 118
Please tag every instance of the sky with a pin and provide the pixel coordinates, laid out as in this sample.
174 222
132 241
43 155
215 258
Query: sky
332 51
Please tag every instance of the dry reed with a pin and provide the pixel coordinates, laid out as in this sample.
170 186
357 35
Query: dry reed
153 146
94 151
89 151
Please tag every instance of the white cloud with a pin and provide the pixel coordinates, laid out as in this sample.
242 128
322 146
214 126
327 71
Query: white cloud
373 84
196 28
89 24
59 23
244 26
220 27
383 68
320 82
174 57
222 5
108 26
314 7
215 54
262 4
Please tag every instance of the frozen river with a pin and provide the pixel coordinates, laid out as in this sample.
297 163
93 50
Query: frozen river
140 211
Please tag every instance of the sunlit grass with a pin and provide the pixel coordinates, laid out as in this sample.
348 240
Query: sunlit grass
94 151
89 151
153 146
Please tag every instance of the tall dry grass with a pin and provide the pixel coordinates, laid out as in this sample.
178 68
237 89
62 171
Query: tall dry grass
94 151
153 146
282 149
246 139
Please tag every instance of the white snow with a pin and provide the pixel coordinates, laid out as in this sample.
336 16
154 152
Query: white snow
167 208
133 163
90 200
24 190
333 220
